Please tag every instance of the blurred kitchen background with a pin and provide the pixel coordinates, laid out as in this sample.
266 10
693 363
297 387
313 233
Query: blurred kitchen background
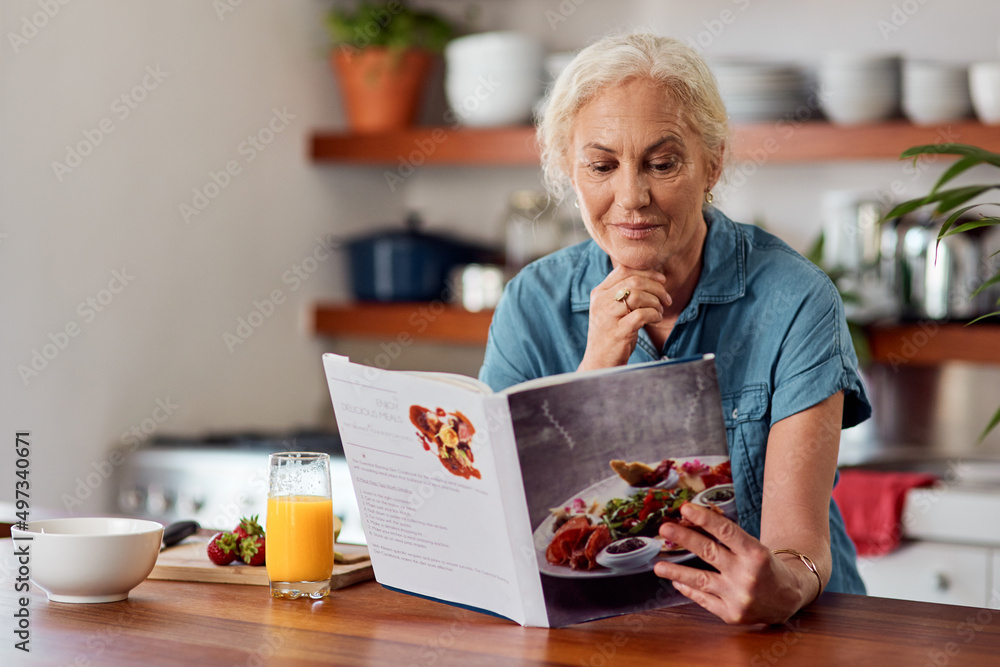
166 233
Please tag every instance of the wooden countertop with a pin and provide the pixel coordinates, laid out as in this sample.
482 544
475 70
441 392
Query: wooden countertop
178 623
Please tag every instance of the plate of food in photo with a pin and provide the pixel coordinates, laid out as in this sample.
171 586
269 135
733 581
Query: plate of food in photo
611 528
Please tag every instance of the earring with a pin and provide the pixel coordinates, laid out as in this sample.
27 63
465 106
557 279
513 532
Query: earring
576 203
709 197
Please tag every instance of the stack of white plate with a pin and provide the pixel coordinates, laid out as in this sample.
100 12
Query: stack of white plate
935 92
858 88
755 91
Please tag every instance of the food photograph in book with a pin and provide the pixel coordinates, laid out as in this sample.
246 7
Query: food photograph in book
448 435
605 462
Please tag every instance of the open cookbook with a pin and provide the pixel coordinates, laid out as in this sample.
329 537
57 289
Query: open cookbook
541 503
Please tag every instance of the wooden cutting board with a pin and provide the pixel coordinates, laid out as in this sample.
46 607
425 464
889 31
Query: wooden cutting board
188 562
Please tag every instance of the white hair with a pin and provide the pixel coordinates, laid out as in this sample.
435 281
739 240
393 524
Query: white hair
615 60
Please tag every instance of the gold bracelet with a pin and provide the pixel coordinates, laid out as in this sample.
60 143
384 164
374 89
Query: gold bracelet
808 563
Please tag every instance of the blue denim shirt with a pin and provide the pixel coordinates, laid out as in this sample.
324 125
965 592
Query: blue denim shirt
773 319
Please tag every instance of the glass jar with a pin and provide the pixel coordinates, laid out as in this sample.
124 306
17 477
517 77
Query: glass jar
532 228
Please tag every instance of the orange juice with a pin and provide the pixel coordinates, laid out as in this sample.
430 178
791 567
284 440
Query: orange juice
299 538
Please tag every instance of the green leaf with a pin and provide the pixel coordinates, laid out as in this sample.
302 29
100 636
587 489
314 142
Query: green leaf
815 253
989 427
906 207
981 154
983 317
954 218
969 226
960 165
949 199
992 281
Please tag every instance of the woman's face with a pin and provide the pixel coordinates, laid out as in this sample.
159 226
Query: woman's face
641 172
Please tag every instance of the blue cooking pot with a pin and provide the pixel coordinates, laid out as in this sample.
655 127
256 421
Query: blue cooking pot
407 264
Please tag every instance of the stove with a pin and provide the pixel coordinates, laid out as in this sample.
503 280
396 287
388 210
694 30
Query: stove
217 478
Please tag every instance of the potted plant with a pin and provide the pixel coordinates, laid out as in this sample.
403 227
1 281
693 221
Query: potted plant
953 203
382 53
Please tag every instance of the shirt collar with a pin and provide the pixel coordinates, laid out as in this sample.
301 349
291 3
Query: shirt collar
723 272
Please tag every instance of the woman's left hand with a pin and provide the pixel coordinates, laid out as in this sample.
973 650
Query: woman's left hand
751 585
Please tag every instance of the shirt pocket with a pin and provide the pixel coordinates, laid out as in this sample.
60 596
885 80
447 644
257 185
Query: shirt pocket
745 413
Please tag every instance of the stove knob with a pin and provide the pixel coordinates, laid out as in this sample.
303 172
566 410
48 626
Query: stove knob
157 501
189 504
129 500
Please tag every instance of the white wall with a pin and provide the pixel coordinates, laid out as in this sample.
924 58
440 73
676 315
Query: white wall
161 336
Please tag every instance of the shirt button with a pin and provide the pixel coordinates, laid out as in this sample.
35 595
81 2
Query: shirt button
735 413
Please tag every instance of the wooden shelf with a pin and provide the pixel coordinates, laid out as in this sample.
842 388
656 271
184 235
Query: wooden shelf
513 146
403 322
924 344
932 343
776 142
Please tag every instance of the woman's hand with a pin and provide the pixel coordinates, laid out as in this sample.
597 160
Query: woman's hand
614 325
751 586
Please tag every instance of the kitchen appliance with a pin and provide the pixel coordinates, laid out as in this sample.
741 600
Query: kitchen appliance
406 264
218 478
936 279
532 228
476 287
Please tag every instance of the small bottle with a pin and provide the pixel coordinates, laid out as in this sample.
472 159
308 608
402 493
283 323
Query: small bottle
532 228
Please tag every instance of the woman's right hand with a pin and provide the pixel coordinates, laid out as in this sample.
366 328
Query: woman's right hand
614 325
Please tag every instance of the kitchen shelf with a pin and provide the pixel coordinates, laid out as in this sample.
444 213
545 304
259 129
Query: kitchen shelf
430 322
923 344
775 142
931 343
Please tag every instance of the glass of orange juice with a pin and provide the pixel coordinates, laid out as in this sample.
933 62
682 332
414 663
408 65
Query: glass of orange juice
299 525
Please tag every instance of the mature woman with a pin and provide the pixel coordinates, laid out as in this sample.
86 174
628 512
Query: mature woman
636 130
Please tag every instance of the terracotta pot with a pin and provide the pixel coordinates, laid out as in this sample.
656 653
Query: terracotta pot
382 88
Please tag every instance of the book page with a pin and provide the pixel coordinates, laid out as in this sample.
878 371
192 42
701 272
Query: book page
421 460
575 376
663 422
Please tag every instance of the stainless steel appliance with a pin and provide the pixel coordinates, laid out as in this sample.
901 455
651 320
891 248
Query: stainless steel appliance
217 478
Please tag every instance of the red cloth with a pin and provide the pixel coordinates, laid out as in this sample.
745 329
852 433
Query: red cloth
872 505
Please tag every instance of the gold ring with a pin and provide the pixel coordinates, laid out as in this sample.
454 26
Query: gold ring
622 296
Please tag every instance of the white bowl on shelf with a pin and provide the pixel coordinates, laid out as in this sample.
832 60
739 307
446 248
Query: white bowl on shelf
857 88
935 92
984 87
494 78
84 559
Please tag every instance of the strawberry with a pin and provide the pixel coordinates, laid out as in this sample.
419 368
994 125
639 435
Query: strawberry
252 550
223 548
247 528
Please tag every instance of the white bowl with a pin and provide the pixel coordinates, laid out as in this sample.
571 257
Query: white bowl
722 496
984 86
630 559
494 78
89 559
